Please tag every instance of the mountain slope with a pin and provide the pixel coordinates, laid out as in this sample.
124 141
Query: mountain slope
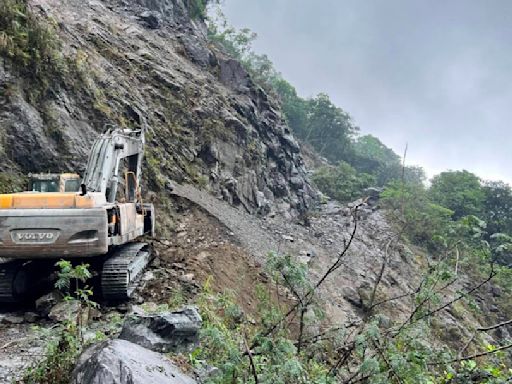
148 64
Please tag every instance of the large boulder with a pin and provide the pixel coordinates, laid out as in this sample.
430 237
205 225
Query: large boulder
164 332
122 362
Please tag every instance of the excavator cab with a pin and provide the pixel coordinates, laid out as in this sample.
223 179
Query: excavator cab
53 182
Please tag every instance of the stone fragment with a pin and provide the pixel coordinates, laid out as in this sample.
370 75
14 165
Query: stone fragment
65 310
164 332
12 319
30 317
45 303
352 296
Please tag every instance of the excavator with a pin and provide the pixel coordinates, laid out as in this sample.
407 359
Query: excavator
98 222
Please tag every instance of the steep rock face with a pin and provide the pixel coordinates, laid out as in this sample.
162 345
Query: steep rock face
147 63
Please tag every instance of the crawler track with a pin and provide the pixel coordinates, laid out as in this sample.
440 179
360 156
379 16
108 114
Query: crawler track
122 271
13 282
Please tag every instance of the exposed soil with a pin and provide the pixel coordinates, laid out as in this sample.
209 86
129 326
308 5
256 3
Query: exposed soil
202 249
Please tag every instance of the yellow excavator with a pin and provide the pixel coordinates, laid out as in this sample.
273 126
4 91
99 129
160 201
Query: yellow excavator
97 220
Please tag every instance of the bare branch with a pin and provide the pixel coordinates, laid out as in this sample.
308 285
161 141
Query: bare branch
307 299
495 326
449 303
471 357
251 360
391 369
411 319
379 277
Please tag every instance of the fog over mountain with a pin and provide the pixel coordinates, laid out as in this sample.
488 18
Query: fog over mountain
436 75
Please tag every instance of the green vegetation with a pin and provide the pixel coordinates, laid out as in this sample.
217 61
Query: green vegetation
464 222
10 182
198 8
60 357
32 47
289 343
67 342
342 182
459 191
432 214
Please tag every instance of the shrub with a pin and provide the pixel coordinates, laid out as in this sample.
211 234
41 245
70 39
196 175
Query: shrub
342 182
424 221
62 351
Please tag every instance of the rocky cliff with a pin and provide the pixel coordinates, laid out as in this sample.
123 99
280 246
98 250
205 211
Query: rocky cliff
148 63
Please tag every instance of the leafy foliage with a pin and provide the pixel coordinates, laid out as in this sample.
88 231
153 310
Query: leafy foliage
276 349
497 207
60 358
31 46
226 338
342 182
424 221
62 351
459 191
10 182
328 128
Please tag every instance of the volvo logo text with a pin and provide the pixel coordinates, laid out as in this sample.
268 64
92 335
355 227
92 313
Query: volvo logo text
24 236
36 236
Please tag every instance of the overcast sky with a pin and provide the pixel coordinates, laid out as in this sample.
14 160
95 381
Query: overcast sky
436 74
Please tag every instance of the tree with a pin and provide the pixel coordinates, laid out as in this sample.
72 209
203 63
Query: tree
423 221
329 129
459 191
415 175
342 182
294 107
371 153
497 207
372 156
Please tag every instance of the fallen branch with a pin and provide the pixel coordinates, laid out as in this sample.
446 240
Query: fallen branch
379 278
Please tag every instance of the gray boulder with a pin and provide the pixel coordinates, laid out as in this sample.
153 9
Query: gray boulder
373 195
45 303
65 310
164 332
152 19
122 362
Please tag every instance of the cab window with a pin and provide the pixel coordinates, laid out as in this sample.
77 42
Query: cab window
72 185
45 186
